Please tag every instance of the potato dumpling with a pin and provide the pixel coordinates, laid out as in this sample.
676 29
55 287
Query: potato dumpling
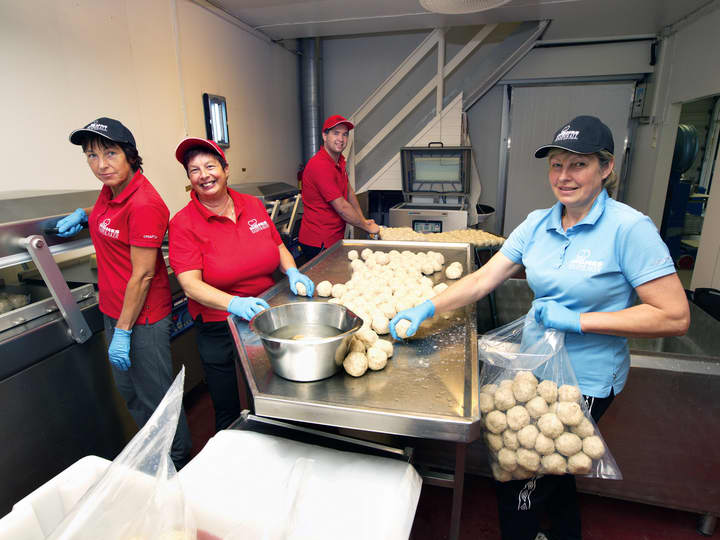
568 444
401 328
550 425
553 464
504 398
377 358
507 459
579 464
510 439
548 390
593 447
527 436
517 417
356 364
569 413
496 422
568 392
324 289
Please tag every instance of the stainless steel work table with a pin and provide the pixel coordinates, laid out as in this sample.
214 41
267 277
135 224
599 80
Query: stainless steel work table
429 388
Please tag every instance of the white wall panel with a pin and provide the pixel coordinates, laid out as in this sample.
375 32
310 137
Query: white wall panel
536 113
67 62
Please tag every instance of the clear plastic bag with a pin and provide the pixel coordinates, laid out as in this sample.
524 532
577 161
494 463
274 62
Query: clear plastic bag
535 421
139 496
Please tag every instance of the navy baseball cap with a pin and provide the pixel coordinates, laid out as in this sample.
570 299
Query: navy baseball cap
582 135
105 127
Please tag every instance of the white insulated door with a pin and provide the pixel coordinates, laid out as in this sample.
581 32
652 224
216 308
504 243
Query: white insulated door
536 112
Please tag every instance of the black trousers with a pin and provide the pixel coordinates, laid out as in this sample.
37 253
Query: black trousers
521 503
217 352
310 252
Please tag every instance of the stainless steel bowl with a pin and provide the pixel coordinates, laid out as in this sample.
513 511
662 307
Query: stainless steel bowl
327 329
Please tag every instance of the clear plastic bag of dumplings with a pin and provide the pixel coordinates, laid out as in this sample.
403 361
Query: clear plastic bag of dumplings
535 420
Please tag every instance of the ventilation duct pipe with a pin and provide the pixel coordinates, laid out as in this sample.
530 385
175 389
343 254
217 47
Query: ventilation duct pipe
310 81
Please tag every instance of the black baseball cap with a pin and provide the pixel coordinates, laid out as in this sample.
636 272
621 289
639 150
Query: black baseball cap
105 127
582 135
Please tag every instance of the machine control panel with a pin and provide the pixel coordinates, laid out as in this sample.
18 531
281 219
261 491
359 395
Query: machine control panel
427 226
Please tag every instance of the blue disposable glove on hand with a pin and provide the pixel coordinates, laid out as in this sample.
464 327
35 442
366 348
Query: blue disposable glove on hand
295 277
415 315
247 307
553 315
119 350
72 224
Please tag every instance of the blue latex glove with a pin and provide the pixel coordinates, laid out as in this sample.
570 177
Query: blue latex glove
72 224
553 315
247 307
295 277
415 315
119 350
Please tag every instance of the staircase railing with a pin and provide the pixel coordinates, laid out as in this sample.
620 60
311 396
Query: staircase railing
435 40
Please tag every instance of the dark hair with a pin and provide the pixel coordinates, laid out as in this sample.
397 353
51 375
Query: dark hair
131 153
196 151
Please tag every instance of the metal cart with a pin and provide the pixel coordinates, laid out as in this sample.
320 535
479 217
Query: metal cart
428 390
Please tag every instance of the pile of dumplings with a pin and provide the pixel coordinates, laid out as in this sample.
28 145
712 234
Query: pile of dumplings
476 237
383 284
534 428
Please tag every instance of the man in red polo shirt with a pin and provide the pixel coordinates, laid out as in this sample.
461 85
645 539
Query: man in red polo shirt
328 200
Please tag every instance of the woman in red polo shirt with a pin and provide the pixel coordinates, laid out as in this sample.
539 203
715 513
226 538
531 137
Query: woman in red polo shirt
127 224
223 249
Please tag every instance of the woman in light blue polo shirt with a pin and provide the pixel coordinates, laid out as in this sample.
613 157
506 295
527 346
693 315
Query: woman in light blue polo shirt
600 273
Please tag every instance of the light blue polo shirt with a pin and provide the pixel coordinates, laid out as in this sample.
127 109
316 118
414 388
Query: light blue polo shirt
593 266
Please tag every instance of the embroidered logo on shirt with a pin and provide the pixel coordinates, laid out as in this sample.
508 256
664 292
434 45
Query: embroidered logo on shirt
566 134
150 236
256 227
582 263
105 230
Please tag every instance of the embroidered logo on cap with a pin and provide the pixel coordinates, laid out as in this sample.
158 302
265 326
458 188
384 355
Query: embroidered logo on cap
97 127
567 134
256 227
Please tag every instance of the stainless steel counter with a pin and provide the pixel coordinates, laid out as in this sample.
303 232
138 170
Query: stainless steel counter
428 389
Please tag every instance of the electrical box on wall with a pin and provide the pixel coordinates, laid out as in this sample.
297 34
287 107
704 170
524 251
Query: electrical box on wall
641 100
216 124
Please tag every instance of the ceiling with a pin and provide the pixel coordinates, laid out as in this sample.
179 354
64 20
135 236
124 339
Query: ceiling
571 19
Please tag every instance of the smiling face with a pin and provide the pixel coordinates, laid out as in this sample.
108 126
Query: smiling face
335 140
109 165
208 177
577 179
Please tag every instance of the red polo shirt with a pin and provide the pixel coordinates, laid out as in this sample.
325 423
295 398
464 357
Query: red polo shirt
136 217
324 180
237 258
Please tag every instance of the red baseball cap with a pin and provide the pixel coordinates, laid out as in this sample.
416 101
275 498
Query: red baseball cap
334 120
195 142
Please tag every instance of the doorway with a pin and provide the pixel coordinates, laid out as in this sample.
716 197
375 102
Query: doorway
690 182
